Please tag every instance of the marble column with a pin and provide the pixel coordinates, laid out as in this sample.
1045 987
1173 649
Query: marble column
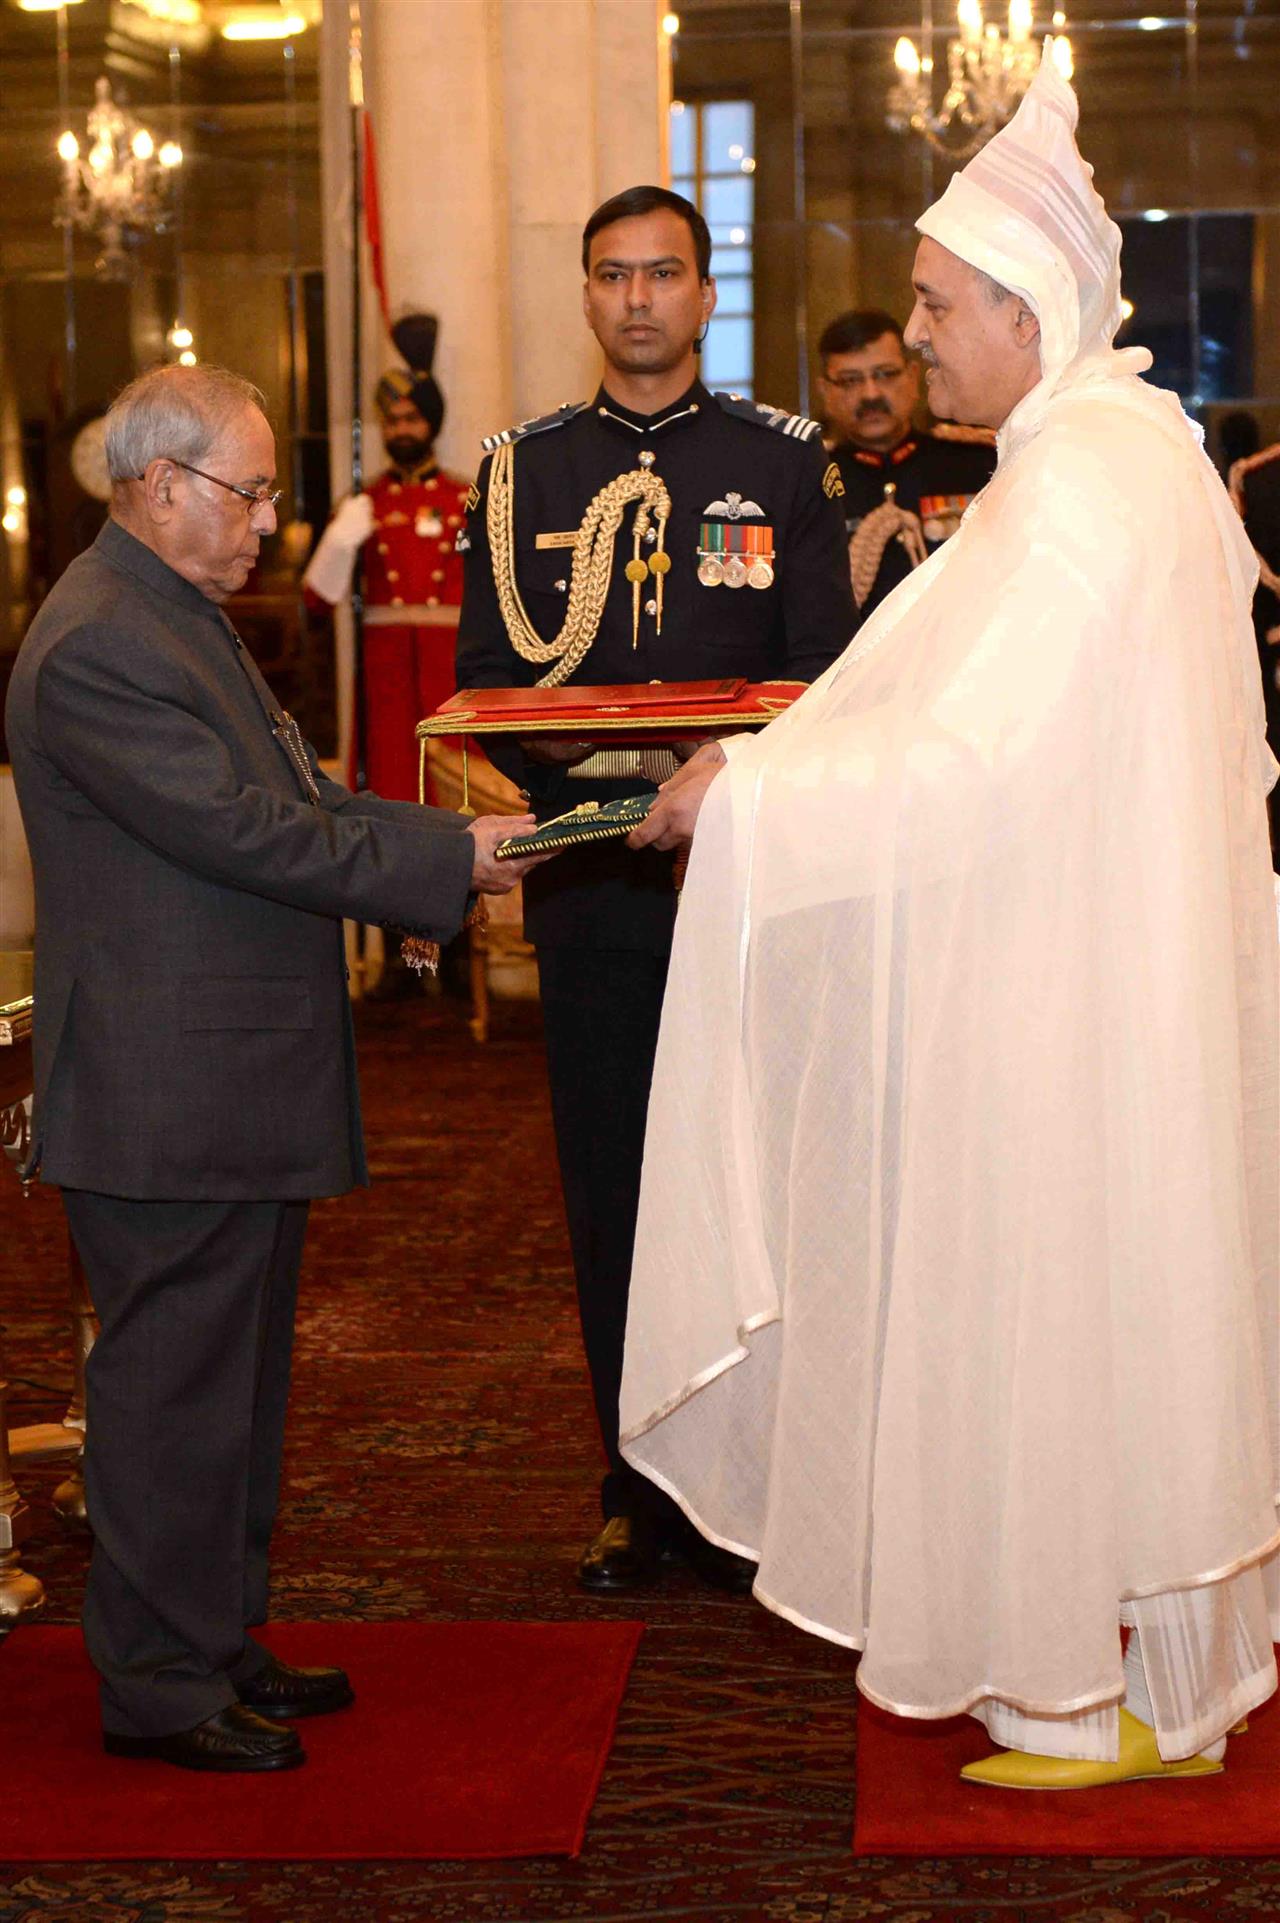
500 124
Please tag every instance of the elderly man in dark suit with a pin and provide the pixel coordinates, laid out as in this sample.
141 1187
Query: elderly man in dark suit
195 1072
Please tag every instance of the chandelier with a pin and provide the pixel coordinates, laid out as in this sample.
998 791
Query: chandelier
118 190
987 74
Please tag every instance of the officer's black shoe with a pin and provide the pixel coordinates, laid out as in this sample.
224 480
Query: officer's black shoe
235 1740
281 1692
625 1555
718 1568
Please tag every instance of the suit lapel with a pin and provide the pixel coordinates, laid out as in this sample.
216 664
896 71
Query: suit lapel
284 729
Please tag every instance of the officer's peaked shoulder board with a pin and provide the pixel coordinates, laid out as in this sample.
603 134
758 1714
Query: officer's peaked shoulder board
540 424
797 426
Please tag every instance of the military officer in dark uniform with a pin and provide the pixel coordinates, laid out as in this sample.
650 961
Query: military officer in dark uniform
904 490
719 550
1254 483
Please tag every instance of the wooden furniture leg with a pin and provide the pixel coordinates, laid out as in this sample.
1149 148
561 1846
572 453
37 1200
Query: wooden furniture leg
478 955
68 1497
64 1441
21 1595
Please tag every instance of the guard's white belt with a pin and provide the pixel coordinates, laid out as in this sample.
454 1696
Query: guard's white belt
412 615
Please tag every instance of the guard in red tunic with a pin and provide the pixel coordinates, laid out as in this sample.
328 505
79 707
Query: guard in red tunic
405 525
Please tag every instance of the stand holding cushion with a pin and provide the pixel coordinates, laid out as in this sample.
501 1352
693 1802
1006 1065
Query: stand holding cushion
22 1595
650 714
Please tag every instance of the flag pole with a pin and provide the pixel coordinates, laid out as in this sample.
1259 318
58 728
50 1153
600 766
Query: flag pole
355 96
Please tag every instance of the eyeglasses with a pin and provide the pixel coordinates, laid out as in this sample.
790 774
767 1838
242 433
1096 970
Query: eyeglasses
255 496
878 377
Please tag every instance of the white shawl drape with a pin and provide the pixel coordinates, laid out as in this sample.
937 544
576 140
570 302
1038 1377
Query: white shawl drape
955 1290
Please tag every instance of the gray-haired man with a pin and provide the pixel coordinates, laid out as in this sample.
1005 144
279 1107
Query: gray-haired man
195 1077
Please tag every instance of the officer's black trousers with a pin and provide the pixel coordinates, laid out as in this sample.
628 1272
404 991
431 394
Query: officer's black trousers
186 1392
601 1009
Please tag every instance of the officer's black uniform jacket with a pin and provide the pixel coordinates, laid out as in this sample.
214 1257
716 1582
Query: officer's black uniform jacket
920 467
1260 507
706 447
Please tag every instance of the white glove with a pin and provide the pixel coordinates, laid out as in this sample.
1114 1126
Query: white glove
329 569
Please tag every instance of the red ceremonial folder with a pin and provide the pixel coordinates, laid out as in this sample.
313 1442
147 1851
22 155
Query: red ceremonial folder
650 711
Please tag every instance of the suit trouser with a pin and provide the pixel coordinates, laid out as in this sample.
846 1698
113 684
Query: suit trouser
186 1392
600 1009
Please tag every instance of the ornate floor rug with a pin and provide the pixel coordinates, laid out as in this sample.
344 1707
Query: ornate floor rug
443 1466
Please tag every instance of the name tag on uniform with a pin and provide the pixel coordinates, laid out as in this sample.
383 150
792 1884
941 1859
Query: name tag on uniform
557 540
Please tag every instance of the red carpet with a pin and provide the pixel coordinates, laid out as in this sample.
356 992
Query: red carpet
479 1739
911 1801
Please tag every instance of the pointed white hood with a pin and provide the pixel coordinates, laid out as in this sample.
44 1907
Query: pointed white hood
1025 211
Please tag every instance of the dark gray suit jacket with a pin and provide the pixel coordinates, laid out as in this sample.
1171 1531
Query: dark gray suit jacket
193 1036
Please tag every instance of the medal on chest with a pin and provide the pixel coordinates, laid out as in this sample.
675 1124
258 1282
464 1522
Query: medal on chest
737 550
427 524
940 514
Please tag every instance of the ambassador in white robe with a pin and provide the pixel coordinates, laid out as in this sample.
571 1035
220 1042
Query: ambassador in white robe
955 1289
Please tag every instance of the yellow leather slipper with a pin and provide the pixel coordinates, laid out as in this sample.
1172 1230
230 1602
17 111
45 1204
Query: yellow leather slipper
1139 1761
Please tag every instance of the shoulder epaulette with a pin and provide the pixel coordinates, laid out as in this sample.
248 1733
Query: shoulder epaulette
973 436
798 426
538 425
1238 470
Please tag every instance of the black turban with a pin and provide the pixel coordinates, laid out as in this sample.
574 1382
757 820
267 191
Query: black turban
415 337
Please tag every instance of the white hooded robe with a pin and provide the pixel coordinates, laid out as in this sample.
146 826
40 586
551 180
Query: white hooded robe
955 1289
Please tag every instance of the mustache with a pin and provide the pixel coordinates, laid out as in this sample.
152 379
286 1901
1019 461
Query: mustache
927 355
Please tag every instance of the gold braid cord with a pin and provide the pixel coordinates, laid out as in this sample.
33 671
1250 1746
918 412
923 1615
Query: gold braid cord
873 535
592 561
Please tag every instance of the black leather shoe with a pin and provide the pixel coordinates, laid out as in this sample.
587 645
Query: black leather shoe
282 1692
623 1556
234 1739
718 1568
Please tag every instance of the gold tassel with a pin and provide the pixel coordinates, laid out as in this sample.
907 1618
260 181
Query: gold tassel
637 572
660 563
424 956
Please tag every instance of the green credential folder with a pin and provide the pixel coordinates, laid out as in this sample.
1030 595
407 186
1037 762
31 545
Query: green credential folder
593 821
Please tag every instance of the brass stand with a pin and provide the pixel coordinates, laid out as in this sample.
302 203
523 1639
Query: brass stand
478 959
21 1595
64 1441
68 1497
